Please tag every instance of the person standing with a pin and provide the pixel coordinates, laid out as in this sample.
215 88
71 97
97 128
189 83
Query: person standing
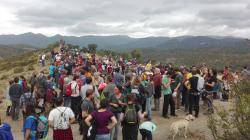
168 99
157 85
41 89
7 98
75 97
60 120
102 118
30 123
15 93
130 118
116 102
194 96
89 85
87 108
176 86
33 81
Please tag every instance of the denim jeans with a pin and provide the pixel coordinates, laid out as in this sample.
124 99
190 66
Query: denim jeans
102 137
194 99
148 107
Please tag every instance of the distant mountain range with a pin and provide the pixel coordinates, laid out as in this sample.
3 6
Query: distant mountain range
187 50
120 42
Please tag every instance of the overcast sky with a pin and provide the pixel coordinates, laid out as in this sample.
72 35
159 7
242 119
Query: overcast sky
136 18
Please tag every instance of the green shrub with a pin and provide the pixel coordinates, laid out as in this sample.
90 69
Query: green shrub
18 70
3 77
30 67
233 123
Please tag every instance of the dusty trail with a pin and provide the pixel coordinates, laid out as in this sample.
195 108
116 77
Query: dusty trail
197 129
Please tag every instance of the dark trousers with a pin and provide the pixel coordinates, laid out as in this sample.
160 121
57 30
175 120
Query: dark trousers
143 105
75 105
194 99
168 100
85 129
146 135
130 132
157 97
15 109
184 99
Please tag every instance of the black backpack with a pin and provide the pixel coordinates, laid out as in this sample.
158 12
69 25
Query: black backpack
131 116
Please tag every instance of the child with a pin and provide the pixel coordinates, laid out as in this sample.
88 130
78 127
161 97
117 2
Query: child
146 130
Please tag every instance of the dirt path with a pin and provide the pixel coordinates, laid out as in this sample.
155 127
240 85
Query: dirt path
197 128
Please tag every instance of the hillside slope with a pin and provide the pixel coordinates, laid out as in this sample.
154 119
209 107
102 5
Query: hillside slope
7 51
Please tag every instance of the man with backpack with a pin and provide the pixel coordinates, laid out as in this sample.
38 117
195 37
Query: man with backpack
27 98
131 116
41 89
15 93
60 120
35 126
194 95
87 107
146 90
30 124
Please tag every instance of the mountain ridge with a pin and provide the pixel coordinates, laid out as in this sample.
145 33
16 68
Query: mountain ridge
116 42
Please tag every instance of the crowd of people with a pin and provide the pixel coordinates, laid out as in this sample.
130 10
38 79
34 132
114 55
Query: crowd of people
103 94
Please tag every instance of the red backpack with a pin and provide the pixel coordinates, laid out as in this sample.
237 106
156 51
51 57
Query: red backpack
79 83
68 90
61 81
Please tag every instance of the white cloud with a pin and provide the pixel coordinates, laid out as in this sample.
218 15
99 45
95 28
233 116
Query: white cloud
138 18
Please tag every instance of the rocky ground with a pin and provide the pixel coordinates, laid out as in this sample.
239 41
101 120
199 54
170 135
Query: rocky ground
197 129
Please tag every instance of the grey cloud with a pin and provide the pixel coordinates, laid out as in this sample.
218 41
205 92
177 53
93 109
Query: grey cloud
232 16
151 17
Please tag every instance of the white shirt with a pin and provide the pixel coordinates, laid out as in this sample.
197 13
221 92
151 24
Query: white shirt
75 89
54 117
148 126
43 57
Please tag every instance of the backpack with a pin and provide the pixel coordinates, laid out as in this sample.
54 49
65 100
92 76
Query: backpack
42 127
49 96
131 117
41 81
62 123
61 81
68 90
29 100
194 84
